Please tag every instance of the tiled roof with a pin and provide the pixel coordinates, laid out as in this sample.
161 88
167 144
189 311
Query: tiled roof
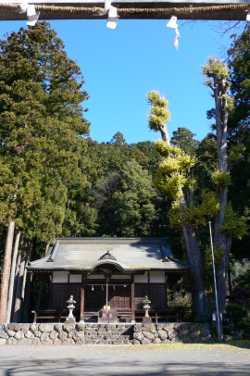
127 254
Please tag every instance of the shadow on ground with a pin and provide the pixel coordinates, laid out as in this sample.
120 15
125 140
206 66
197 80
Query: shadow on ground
70 367
242 344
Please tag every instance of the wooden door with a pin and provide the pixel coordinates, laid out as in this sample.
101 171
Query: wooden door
119 297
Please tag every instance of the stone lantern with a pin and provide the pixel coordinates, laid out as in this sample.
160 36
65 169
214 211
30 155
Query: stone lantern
146 307
71 306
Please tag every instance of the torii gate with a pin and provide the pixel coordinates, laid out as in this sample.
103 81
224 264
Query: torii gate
131 9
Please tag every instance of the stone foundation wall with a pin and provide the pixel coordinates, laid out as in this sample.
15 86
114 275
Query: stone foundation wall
171 332
125 333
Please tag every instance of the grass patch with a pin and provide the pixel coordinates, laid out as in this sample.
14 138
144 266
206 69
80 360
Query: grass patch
228 346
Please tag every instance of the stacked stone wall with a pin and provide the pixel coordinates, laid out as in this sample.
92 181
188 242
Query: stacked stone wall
171 332
80 333
109 333
47 334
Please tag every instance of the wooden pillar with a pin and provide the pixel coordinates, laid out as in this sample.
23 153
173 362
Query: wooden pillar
148 274
82 303
166 289
133 298
107 291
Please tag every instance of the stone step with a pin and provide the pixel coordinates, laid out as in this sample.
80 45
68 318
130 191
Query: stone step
107 340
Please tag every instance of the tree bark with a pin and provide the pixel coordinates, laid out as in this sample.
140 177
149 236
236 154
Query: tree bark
18 299
6 272
12 276
196 267
194 258
222 276
164 134
221 241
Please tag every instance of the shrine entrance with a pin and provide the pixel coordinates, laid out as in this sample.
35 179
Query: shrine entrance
119 296
94 297
107 294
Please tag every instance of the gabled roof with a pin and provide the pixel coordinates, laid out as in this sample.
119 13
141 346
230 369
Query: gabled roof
127 254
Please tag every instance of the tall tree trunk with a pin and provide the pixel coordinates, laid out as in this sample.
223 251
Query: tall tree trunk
18 298
194 257
6 272
221 241
12 276
222 276
164 134
196 267
14 299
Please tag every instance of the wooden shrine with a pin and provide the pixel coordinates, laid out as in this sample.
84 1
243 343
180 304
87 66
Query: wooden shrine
104 275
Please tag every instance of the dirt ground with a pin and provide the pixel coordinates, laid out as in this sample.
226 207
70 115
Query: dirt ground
162 360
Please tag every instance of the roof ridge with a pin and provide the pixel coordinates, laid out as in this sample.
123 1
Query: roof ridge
113 239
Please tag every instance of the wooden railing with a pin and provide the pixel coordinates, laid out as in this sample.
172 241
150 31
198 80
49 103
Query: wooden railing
171 314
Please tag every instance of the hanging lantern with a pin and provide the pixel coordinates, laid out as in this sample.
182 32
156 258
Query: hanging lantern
92 288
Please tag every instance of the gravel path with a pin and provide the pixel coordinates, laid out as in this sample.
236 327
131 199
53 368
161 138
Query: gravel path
175 360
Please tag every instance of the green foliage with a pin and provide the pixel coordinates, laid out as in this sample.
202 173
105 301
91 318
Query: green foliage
217 79
7 191
159 114
42 130
235 225
125 200
166 149
171 185
236 153
221 179
196 215
239 64
215 71
209 205
118 139
238 309
184 139
173 170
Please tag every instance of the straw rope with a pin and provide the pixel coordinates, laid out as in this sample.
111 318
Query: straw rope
187 11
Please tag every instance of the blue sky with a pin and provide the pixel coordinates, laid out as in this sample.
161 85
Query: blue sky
121 66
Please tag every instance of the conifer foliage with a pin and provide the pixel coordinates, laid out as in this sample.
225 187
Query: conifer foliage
42 129
41 135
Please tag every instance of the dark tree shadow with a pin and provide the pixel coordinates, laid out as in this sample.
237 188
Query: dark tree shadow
70 367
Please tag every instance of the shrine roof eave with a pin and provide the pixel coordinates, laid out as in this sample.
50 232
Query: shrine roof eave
46 268
126 255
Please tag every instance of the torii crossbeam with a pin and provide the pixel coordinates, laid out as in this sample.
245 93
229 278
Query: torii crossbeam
131 9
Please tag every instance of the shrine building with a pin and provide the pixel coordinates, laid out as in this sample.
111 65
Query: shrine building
116 273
